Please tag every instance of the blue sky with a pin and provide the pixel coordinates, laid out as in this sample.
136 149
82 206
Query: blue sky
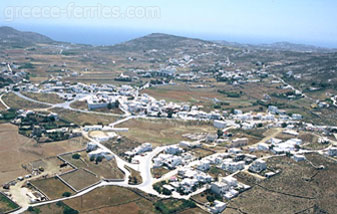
301 21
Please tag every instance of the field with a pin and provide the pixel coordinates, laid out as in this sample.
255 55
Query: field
254 135
200 152
299 188
52 187
84 118
193 211
205 96
105 169
50 165
16 102
17 150
118 200
121 146
46 98
6 205
77 181
162 132
2 107
158 172
111 197
79 105
135 177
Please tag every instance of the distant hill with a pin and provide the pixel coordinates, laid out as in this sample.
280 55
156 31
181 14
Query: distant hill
280 46
159 41
12 37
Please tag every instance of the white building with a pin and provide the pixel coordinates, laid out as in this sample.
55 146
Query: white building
173 150
219 124
218 207
298 157
258 166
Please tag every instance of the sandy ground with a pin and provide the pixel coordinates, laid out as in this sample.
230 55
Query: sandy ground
16 150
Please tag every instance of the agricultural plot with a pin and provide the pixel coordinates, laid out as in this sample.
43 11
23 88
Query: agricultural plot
52 187
52 165
6 205
80 179
109 196
163 132
105 169
121 145
17 150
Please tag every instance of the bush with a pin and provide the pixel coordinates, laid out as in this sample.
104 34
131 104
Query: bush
76 156
210 198
60 204
166 191
66 194
69 210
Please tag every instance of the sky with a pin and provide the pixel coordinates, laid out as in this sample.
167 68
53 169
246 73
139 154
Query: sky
246 21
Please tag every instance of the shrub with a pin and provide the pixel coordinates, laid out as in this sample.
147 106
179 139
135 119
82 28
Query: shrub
66 194
76 156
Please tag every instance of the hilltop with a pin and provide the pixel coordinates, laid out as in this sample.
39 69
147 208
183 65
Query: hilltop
159 41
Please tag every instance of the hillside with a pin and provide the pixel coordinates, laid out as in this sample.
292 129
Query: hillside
11 37
159 41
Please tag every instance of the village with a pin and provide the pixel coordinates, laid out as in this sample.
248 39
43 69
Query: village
186 174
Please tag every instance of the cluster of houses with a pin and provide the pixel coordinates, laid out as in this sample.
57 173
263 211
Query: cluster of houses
95 153
9 76
42 126
139 150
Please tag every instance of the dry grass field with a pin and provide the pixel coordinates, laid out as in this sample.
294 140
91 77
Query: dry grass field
16 102
52 187
162 132
17 150
50 165
105 200
47 98
79 105
77 181
299 188
2 107
84 118
109 196
105 169
204 96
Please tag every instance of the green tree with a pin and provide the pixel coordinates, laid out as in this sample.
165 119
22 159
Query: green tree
66 194
76 156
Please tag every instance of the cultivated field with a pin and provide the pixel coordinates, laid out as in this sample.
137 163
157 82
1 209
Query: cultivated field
17 150
6 205
52 187
162 132
80 179
105 197
105 169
